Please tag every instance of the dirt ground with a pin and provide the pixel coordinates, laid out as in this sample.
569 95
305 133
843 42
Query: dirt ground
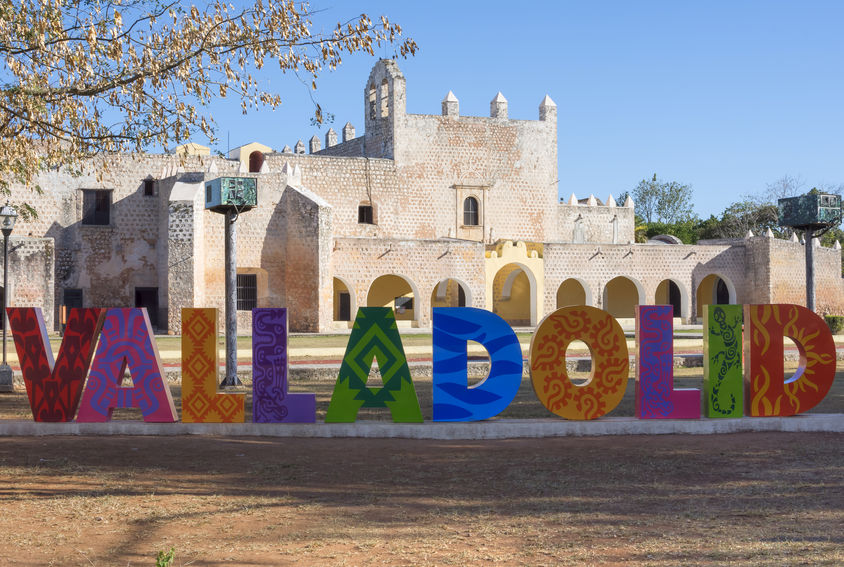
744 499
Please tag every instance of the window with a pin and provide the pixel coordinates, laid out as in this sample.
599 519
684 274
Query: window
372 102
96 206
404 304
247 292
470 212
149 187
365 214
385 99
256 161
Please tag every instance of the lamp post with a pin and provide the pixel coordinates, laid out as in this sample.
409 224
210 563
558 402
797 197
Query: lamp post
8 216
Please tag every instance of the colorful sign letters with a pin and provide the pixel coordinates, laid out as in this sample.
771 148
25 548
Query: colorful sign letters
605 387
454 399
723 383
124 341
768 392
271 402
656 397
201 403
54 389
374 336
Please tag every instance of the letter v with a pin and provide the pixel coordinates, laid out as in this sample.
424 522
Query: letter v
54 389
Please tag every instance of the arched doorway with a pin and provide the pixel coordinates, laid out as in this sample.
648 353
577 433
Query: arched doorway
396 292
714 289
514 295
668 292
344 301
621 296
572 292
450 293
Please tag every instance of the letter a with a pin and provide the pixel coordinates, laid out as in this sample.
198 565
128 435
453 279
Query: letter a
54 389
201 403
126 341
374 336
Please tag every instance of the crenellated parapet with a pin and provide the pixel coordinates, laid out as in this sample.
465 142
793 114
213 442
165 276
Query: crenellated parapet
590 220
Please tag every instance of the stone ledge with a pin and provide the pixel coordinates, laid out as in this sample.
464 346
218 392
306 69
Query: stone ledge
495 429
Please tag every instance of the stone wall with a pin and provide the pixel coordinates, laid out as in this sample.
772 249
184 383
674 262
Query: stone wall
358 262
779 270
31 274
647 266
603 224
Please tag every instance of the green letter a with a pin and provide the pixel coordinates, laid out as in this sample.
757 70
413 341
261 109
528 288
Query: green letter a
374 335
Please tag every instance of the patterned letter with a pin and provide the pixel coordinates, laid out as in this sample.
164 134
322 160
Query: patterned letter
271 402
374 335
656 397
454 400
768 393
722 376
201 403
126 341
610 363
54 390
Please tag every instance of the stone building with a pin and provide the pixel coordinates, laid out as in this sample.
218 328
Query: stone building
417 212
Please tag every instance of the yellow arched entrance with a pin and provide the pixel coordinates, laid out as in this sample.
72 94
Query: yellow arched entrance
621 295
395 292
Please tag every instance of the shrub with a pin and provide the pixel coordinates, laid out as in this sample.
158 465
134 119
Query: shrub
835 323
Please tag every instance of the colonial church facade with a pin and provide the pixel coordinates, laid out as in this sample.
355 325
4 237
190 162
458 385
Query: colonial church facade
419 211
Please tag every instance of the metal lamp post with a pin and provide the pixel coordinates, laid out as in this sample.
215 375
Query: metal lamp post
8 216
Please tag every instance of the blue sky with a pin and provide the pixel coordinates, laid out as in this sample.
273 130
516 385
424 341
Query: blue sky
724 96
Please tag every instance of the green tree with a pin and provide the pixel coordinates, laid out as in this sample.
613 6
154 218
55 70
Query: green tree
102 76
663 201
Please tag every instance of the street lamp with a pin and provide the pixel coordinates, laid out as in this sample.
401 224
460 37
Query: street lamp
8 216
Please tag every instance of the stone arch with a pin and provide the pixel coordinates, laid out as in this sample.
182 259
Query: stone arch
672 292
515 294
394 291
573 291
621 296
342 311
372 101
256 161
451 292
385 98
715 289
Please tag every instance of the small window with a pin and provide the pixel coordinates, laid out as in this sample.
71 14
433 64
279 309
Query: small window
149 187
96 206
385 99
365 214
256 161
470 212
372 102
404 304
247 292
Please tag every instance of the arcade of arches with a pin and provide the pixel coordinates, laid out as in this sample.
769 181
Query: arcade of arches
514 294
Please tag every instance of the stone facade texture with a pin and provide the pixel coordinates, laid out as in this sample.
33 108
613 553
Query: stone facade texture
383 217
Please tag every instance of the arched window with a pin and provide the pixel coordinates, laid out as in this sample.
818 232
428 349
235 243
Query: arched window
470 212
256 161
385 98
372 102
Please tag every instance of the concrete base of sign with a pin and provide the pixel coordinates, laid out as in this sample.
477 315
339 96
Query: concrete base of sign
494 429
